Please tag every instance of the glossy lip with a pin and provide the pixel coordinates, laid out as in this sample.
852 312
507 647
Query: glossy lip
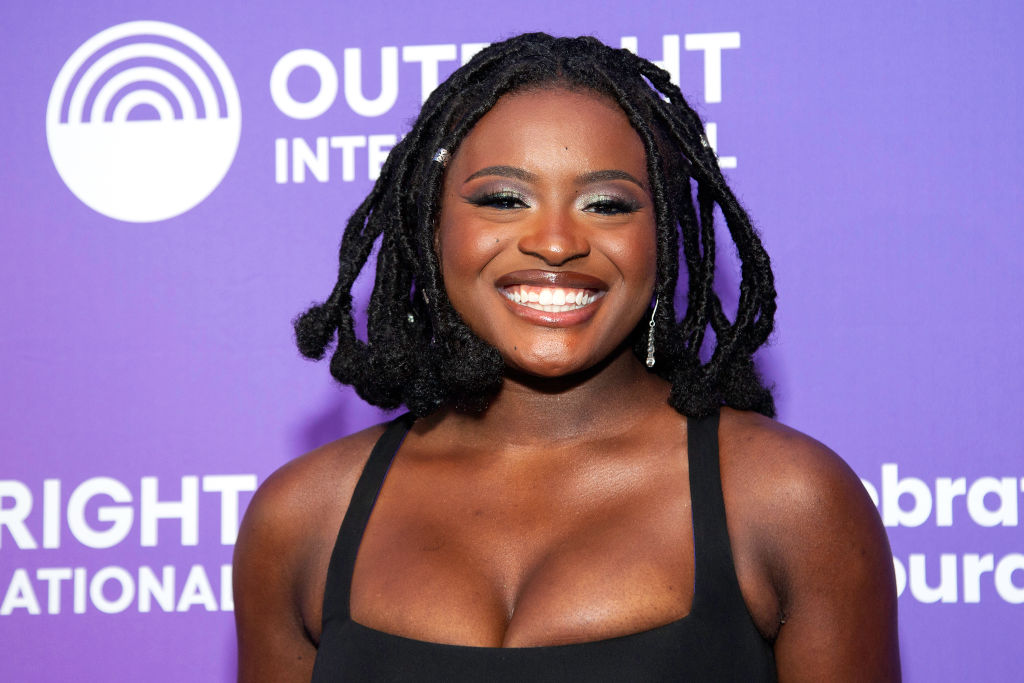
551 278
548 278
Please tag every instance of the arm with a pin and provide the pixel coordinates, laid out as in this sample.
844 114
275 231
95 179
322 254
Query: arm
273 644
281 557
833 573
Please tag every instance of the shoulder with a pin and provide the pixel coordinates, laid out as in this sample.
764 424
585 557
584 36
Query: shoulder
778 468
794 492
811 553
307 490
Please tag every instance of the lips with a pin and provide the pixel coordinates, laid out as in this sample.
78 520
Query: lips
551 297
549 278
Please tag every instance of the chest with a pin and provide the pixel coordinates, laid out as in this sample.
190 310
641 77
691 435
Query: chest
543 578
498 554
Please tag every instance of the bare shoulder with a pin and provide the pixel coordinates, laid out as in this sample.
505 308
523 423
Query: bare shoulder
790 492
309 488
779 468
297 510
281 557
811 553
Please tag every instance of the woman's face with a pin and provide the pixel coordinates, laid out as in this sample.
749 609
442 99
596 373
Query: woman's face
546 235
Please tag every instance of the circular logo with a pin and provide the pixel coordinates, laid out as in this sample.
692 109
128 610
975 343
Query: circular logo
143 121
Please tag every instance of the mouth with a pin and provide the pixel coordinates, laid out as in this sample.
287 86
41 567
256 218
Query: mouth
551 299
555 297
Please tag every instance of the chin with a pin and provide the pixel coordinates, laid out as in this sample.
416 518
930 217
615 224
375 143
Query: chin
548 366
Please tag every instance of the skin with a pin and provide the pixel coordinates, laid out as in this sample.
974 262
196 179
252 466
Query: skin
562 513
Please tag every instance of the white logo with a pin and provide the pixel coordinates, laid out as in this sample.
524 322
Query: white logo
143 121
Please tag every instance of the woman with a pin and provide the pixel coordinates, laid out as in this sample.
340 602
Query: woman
582 495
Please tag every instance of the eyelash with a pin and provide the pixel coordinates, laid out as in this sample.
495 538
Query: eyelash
500 200
604 205
607 205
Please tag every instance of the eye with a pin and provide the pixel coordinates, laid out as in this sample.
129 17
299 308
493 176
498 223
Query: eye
503 199
609 205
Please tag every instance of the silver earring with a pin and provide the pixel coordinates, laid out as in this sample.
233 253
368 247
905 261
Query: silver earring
650 336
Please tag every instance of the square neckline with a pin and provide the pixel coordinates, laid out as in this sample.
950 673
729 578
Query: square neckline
716 640
655 630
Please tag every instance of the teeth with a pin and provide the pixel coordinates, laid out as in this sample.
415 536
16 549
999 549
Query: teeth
551 299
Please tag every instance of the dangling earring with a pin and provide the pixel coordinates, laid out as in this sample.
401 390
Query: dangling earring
650 336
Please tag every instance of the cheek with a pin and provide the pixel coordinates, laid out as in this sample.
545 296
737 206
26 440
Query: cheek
452 245
647 249
464 247
635 254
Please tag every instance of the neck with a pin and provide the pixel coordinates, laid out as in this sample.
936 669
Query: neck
539 411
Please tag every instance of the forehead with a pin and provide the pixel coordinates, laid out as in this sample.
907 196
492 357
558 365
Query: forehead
587 127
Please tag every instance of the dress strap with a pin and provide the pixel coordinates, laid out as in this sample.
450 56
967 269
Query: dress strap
343 559
716 584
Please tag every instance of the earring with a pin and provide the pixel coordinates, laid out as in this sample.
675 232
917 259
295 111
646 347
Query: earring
650 336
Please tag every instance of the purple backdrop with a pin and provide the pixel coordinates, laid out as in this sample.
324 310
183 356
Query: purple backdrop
149 270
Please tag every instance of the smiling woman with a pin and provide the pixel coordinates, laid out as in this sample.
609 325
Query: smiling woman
547 198
575 493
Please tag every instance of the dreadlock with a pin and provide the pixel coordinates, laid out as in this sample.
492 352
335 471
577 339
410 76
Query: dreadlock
418 350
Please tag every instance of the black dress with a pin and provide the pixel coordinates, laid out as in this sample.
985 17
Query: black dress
716 641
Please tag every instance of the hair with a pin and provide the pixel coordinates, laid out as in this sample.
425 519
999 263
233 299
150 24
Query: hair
420 353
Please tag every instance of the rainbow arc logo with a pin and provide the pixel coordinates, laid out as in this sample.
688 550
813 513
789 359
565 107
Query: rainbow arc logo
143 121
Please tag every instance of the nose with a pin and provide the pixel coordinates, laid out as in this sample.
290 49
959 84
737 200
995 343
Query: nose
555 238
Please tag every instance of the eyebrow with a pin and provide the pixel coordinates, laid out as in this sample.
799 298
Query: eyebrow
505 171
610 174
524 175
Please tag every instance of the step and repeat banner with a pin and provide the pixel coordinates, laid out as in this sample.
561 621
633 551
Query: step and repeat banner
175 178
